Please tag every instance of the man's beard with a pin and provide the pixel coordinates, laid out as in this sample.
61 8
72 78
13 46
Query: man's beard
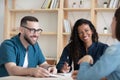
28 40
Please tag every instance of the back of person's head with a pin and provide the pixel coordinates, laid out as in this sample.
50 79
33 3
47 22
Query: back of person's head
27 18
78 23
117 17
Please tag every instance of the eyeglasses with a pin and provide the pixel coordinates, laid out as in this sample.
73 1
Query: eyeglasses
32 30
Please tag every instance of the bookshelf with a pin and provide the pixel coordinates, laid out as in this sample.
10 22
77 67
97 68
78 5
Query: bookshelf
103 18
54 38
48 20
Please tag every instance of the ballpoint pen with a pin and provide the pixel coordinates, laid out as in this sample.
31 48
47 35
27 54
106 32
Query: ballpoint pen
67 59
68 62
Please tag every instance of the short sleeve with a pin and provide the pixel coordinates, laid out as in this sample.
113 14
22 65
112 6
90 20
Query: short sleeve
41 57
7 52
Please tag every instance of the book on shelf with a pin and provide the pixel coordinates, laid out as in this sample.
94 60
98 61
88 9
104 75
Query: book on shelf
46 4
115 3
54 4
67 27
111 3
57 4
118 4
50 4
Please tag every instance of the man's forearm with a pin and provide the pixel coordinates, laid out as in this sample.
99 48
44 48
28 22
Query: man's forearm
12 69
19 71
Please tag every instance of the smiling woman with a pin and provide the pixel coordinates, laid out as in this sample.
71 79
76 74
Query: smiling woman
83 41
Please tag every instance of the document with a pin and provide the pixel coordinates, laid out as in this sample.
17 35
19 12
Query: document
61 75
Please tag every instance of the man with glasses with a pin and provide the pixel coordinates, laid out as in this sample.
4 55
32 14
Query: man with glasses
20 55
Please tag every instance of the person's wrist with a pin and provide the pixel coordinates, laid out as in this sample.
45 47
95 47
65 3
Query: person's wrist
30 71
48 66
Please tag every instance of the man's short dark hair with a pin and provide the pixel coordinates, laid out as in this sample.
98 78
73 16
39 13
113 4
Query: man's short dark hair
27 18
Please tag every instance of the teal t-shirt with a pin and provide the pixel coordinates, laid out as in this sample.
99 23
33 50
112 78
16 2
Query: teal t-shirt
12 50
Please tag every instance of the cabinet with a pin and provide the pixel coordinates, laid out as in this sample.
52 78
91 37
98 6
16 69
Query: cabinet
54 38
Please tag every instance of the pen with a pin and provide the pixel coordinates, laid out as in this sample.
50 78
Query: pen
67 59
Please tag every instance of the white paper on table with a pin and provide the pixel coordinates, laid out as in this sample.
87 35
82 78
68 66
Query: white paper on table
61 75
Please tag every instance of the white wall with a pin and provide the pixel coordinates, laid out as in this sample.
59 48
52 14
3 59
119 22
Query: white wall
1 19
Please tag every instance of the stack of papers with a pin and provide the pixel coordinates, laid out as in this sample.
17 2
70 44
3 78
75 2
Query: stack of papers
61 74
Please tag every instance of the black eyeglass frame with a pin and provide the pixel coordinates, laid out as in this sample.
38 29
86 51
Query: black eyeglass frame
32 30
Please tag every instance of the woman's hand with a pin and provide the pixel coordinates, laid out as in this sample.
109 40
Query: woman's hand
74 74
65 68
86 58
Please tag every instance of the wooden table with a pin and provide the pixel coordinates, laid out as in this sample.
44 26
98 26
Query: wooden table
33 78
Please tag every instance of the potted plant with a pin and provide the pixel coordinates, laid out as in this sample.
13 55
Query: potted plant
74 5
105 4
105 30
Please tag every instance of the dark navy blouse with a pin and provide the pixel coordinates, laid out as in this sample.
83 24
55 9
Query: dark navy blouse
95 50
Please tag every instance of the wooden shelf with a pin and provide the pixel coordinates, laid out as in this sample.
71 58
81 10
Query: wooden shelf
66 33
76 9
105 9
105 34
33 10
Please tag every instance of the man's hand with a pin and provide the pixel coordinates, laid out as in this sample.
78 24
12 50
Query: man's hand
44 72
52 69
39 72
